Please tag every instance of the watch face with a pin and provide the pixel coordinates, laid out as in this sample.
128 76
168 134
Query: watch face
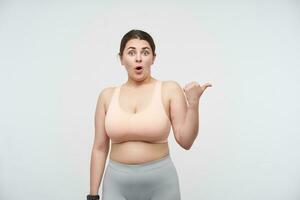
92 197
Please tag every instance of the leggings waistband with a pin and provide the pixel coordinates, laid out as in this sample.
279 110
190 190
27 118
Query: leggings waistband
141 167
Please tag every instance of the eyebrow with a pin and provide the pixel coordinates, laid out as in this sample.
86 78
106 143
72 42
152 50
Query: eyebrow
135 48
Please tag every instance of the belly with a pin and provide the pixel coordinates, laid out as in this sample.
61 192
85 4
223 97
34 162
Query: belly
137 152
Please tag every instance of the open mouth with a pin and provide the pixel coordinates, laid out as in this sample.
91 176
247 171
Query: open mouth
139 69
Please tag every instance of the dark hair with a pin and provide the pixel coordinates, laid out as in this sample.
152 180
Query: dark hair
136 34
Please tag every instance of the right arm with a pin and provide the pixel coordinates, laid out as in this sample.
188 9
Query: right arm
100 148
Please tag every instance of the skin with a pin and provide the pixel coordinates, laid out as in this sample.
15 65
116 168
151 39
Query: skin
181 106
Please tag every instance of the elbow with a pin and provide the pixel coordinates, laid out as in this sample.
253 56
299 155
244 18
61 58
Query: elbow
186 147
101 150
183 144
103 147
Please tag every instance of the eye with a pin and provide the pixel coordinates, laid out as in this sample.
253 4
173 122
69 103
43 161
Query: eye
131 53
146 52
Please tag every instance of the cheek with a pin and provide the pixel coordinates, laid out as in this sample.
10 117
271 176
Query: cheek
128 61
148 61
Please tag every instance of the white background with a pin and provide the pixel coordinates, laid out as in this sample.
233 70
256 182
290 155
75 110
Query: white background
56 56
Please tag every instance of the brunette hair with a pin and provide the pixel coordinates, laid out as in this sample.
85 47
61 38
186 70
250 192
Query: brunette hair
136 34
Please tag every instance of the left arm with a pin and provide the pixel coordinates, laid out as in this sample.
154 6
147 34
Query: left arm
185 112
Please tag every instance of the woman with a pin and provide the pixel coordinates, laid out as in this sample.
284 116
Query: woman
136 117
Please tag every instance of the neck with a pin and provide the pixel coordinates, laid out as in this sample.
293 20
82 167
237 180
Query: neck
134 83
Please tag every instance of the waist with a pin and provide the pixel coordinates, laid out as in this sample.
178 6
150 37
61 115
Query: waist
134 152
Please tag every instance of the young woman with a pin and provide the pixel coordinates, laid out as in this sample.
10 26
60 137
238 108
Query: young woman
137 117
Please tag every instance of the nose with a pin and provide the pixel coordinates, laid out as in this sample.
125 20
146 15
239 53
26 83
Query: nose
138 57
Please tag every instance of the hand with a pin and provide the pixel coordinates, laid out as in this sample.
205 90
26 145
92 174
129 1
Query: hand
193 91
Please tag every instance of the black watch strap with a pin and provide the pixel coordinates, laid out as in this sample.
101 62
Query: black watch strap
93 197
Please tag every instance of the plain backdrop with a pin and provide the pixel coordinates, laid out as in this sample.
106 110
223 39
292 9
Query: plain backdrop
56 57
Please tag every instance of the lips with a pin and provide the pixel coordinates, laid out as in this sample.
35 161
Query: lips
138 69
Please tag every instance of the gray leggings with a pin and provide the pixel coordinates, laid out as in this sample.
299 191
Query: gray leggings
154 180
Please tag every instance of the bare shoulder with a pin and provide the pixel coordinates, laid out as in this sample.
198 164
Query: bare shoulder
107 91
106 94
171 86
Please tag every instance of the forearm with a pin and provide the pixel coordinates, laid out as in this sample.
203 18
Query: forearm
97 165
189 129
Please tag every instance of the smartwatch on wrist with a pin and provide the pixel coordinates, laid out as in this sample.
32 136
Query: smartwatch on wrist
92 197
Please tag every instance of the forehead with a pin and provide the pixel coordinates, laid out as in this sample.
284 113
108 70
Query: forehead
137 43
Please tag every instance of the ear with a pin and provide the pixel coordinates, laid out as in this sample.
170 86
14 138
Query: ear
153 59
120 57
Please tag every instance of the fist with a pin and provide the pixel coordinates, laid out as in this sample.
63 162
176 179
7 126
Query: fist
194 90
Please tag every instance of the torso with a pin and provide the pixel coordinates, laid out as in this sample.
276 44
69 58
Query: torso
136 152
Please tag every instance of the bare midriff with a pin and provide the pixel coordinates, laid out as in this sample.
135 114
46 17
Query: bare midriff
138 152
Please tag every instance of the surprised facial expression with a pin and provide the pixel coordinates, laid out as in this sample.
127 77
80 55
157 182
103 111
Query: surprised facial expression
137 58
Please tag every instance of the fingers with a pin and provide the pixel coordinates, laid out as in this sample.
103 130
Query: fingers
191 85
207 85
194 83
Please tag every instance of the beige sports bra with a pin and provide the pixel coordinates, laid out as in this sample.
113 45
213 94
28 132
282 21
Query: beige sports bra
151 124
